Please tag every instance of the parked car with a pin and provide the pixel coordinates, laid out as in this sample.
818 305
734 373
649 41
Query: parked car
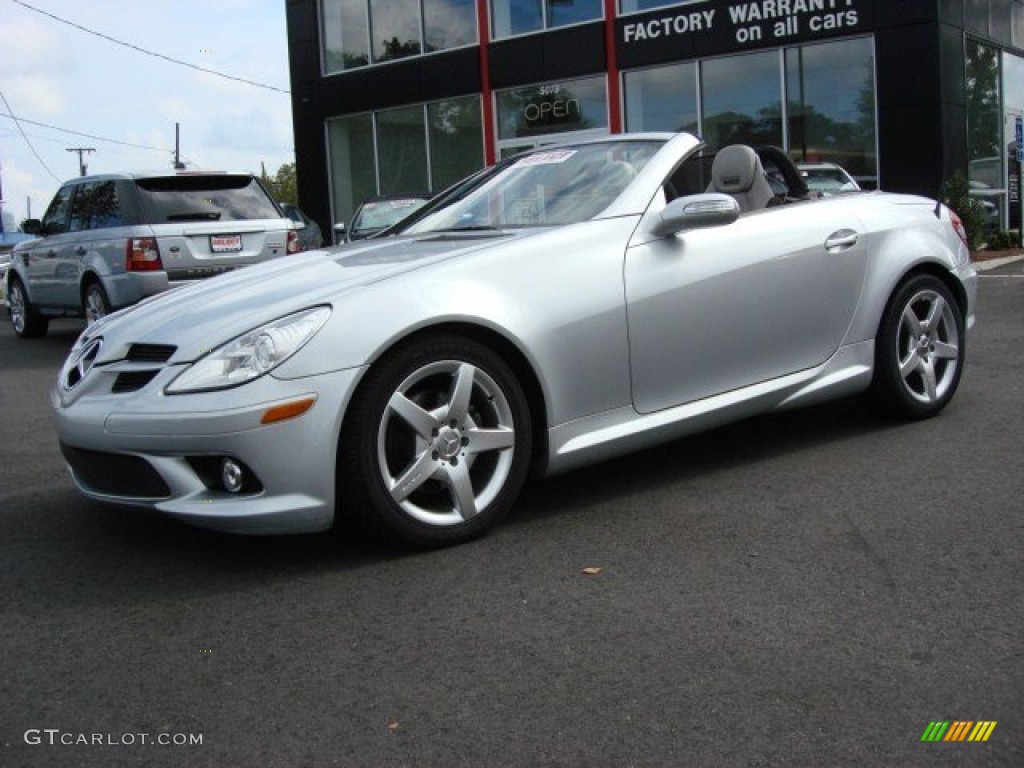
989 199
107 241
309 233
566 306
827 178
378 213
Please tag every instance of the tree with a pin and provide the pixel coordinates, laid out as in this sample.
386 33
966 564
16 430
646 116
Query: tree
284 184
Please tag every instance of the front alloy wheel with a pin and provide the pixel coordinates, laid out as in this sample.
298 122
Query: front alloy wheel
438 442
920 349
27 323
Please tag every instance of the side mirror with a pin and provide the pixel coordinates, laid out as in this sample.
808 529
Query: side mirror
32 227
711 209
339 232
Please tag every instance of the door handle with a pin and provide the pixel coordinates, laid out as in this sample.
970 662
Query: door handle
50 254
841 240
80 251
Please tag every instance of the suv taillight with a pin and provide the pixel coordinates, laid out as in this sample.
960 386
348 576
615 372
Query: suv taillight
294 246
142 255
958 227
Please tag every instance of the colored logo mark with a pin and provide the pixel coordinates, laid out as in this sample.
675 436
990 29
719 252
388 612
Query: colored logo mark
958 730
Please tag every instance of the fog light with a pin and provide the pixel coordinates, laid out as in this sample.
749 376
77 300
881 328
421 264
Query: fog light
231 476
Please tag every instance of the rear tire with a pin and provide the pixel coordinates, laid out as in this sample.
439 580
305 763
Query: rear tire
95 302
27 322
919 351
436 444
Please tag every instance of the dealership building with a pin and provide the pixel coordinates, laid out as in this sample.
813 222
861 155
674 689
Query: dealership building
400 96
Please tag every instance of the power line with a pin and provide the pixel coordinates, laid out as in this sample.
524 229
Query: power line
150 53
86 135
24 136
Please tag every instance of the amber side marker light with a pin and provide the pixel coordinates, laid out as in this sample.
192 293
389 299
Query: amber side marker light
287 411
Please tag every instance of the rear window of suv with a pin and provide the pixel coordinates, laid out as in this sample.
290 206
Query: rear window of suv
205 198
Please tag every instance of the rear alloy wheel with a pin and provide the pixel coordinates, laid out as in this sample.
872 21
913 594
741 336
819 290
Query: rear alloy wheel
437 443
28 324
919 351
96 303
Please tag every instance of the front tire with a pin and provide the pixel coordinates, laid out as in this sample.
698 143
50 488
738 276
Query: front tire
919 350
27 322
436 444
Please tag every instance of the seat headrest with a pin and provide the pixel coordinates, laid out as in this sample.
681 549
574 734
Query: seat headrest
735 169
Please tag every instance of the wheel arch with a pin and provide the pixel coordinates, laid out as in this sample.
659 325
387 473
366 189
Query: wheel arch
937 271
88 278
509 352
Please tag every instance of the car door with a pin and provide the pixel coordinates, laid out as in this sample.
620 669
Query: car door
96 244
40 259
716 309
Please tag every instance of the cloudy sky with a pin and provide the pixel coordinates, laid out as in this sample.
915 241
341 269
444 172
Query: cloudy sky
61 76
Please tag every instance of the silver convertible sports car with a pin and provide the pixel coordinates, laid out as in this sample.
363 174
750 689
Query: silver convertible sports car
563 307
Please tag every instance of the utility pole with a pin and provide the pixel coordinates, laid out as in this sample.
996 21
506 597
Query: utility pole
82 167
178 165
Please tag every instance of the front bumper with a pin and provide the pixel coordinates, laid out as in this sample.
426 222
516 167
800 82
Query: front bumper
154 450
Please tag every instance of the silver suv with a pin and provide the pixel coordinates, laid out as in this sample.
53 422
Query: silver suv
109 240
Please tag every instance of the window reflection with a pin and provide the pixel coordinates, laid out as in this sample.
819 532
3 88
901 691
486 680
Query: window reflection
449 23
345 34
396 29
742 101
415 149
830 100
662 99
518 17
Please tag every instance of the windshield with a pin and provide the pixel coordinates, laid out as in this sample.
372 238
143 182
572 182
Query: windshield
541 189
375 215
828 180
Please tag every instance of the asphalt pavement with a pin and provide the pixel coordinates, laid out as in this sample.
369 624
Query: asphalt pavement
806 589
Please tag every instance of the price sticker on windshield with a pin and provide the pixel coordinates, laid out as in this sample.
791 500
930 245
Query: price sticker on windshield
548 158
225 243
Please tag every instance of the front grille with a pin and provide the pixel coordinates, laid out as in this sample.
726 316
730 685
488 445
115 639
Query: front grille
130 381
150 353
116 474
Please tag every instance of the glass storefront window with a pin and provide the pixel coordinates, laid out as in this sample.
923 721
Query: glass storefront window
571 105
396 29
563 12
985 129
448 24
518 17
402 151
1013 90
742 100
662 99
399 28
416 149
630 6
345 34
830 105
456 140
353 170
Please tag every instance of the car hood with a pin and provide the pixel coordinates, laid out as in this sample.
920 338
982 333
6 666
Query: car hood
200 317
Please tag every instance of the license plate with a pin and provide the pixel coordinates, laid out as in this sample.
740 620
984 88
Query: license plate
225 243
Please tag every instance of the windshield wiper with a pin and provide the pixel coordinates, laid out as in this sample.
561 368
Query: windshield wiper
195 216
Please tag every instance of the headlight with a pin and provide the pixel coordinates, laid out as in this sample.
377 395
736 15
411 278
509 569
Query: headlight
251 355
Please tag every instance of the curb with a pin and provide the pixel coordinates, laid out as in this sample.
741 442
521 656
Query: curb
987 264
